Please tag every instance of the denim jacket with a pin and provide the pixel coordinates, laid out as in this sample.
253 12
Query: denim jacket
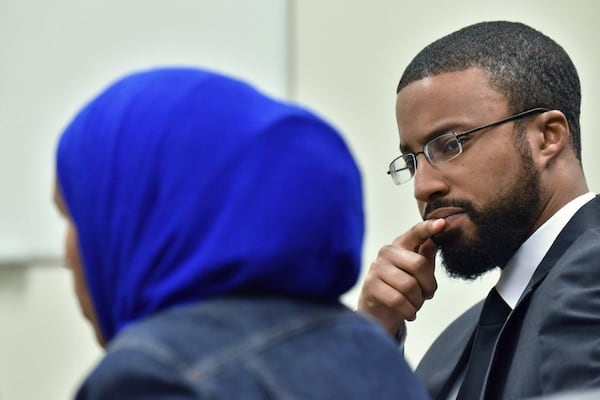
253 348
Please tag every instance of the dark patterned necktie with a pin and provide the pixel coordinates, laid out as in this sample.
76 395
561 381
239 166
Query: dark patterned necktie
493 314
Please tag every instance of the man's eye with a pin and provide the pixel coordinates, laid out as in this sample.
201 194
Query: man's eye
449 146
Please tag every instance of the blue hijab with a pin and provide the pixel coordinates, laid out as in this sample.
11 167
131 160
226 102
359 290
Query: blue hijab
184 184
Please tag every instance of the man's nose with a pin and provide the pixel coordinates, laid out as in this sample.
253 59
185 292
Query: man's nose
428 180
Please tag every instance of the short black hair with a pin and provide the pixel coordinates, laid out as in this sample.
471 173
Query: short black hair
528 67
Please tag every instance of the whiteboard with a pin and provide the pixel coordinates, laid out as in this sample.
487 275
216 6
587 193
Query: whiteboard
56 55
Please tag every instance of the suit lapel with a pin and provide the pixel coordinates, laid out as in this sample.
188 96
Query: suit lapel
586 217
447 356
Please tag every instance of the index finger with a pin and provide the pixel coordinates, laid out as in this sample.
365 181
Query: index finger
419 234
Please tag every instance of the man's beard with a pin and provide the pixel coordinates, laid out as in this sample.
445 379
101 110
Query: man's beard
501 226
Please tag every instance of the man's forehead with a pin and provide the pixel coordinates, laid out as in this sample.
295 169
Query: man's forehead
448 101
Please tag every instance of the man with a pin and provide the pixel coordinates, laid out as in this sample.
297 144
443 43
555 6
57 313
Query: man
488 118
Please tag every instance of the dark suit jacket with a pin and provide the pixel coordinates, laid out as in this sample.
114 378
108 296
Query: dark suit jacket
551 341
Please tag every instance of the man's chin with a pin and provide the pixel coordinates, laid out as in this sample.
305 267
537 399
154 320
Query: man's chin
465 261
457 273
462 258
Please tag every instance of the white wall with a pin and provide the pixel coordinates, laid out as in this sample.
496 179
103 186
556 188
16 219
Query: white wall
55 55
46 347
349 57
346 58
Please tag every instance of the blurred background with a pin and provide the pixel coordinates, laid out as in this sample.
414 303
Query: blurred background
341 58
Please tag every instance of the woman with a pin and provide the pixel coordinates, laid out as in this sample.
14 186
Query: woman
211 231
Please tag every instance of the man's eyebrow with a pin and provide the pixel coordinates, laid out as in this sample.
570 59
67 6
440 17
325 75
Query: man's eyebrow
405 149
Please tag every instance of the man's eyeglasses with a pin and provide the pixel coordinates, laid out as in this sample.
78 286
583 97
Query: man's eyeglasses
444 148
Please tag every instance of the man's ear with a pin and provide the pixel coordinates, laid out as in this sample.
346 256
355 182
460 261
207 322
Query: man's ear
552 136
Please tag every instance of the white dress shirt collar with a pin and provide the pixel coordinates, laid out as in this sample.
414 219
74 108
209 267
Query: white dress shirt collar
519 270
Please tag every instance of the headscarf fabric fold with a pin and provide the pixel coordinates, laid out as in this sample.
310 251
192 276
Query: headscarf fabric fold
184 184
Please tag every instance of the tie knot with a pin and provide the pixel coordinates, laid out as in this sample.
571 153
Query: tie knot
495 310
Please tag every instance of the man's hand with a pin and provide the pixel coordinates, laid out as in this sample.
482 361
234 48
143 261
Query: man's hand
402 277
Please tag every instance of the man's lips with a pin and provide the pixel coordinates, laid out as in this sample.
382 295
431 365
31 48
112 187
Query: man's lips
444 212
